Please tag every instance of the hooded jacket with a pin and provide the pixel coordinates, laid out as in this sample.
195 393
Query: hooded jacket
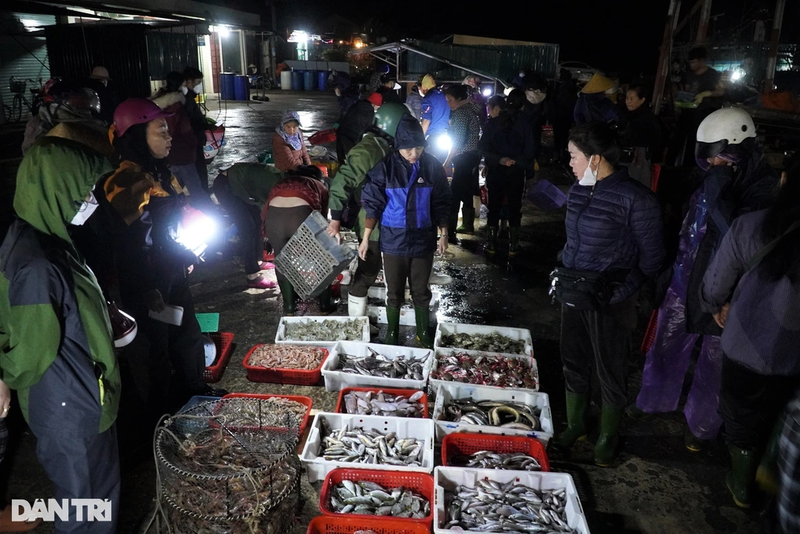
184 138
410 201
615 227
57 346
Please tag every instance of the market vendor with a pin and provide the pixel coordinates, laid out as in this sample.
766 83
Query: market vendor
408 193
288 146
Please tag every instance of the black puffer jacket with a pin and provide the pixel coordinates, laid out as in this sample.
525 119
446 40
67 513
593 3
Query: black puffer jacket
615 227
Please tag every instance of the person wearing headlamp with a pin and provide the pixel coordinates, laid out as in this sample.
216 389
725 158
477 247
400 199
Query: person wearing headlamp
435 118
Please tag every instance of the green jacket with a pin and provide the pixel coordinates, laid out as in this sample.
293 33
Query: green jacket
56 345
252 182
350 178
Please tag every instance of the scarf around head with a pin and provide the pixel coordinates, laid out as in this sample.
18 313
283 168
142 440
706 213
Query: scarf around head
295 141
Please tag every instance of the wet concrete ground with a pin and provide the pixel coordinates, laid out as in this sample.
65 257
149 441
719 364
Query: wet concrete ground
656 486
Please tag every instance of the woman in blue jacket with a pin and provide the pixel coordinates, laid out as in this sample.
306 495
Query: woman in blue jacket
408 193
613 227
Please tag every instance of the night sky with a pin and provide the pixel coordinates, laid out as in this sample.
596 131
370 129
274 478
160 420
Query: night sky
618 35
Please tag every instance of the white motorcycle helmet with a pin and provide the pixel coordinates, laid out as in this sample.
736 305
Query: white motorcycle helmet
727 126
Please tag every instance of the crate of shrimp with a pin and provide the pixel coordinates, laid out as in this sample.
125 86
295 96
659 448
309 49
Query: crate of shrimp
491 451
484 369
490 410
367 442
369 364
300 407
473 338
286 363
388 402
310 330
312 259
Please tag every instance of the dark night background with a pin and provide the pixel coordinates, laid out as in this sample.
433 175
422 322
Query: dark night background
621 35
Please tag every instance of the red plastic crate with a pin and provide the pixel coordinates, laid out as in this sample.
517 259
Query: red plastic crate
464 444
421 483
283 376
406 392
307 401
224 343
347 525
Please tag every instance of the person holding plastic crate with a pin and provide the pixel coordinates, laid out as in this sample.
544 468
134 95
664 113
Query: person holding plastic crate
345 202
408 193
290 203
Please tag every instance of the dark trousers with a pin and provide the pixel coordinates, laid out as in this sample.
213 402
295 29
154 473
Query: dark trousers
750 404
505 183
343 146
248 220
464 184
599 340
398 269
280 224
367 271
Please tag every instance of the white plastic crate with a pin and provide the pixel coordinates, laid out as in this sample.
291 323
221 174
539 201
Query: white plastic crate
312 259
407 314
280 336
433 384
517 334
337 380
456 390
448 478
420 429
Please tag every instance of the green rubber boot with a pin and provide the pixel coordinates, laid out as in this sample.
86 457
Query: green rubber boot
744 463
576 424
393 325
491 241
289 297
605 450
513 240
467 221
767 473
423 316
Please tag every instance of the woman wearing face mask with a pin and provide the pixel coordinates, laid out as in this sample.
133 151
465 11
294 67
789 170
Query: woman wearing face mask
539 110
507 148
288 147
613 227
640 135
192 87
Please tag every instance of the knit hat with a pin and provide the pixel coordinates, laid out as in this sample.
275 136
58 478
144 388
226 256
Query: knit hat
375 99
409 133
289 116
598 84
428 82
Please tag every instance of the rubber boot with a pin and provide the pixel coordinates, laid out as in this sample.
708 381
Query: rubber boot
393 325
692 442
423 316
467 221
491 241
576 423
357 307
634 412
605 450
289 297
513 240
767 473
740 478
328 304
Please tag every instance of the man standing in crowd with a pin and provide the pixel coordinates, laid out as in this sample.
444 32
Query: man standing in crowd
435 116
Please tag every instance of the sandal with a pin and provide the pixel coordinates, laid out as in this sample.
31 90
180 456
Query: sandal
261 283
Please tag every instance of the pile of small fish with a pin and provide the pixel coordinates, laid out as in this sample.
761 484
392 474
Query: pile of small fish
510 507
511 415
485 370
254 413
368 498
371 447
376 364
493 342
380 403
513 461
327 330
300 357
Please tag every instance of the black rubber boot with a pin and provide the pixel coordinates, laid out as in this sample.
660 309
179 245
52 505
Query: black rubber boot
576 420
740 478
327 304
467 221
605 450
289 297
393 325
423 316
491 241
513 240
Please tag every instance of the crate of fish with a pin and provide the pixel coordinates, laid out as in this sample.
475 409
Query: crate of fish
401 496
370 364
385 402
483 369
286 363
490 410
310 330
311 259
298 405
367 442
486 500
490 451
325 524
376 307
473 338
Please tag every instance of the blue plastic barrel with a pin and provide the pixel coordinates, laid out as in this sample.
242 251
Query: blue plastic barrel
322 80
226 85
241 87
297 80
310 80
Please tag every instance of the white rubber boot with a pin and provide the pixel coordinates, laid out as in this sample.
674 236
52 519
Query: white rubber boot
357 307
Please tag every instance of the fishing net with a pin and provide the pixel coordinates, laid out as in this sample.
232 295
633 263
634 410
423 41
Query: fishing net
223 465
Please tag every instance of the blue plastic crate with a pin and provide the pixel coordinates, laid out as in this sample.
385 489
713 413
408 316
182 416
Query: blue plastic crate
546 196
